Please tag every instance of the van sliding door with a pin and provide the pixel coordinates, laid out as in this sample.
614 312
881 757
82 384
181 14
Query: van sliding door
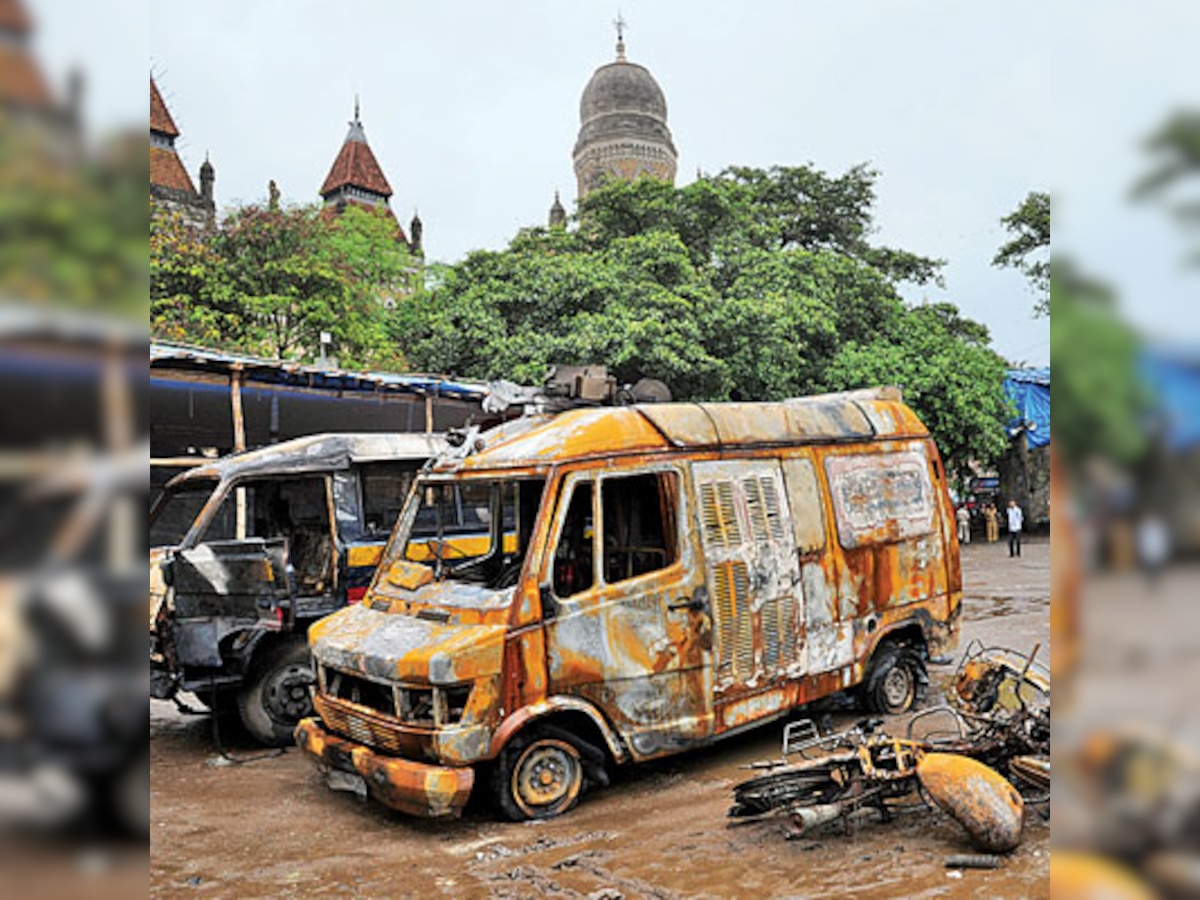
752 570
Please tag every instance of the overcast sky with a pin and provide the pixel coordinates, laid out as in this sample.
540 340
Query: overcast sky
472 109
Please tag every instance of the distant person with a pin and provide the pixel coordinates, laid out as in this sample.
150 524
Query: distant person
1153 545
991 517
963 517
1016 520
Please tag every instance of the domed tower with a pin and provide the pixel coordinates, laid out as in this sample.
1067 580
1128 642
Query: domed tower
623 129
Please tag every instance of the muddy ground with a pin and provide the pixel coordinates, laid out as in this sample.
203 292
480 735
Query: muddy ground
270 827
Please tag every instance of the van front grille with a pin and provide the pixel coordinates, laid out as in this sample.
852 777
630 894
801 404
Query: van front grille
358 728
410 704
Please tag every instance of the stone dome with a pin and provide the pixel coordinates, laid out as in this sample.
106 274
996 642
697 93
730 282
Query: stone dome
623 129
622 86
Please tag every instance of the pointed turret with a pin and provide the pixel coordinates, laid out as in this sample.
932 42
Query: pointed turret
170 184
22 87
166 168
558 215
416 229
355 174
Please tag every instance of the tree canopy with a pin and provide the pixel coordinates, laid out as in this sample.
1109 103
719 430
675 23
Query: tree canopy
1029 249
72 225
270 280
1175 149
753 284
1099 400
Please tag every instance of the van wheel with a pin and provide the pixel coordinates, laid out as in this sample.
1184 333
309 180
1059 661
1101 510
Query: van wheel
276 696
898 680
537 776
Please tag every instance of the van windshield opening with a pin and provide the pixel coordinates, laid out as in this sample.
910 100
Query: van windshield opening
176 510
474 530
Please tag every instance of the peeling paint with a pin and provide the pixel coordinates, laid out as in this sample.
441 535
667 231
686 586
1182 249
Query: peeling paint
766 552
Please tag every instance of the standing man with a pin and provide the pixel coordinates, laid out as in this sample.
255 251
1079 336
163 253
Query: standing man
992 516
1015 520
963 517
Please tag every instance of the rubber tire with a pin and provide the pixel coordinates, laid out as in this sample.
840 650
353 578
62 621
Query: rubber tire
264 728
502 774
908 661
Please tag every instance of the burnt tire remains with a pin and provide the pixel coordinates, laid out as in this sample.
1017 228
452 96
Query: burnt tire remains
898 680
276 695
538 775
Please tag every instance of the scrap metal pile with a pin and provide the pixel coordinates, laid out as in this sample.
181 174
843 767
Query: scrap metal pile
982 758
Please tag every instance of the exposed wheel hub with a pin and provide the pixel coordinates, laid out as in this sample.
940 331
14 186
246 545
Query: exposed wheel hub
547 775
285 695
897 686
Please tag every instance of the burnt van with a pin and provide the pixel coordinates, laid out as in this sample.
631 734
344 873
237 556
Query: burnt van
250 549
657 577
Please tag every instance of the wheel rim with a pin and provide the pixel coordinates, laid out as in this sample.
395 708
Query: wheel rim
547 777
898 687
286 697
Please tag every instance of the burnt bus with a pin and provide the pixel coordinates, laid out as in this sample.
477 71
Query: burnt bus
250 549
656 577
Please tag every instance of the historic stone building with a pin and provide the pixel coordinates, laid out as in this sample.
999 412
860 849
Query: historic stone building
25 97
623 129
356 177
170 184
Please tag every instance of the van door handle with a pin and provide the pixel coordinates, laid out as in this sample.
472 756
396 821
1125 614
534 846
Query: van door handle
698 603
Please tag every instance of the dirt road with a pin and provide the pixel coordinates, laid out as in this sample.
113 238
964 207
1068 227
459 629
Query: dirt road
270 828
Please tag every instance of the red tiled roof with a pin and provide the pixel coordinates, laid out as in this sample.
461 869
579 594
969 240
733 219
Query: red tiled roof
160 119
356 166
21 81
13 17
166 170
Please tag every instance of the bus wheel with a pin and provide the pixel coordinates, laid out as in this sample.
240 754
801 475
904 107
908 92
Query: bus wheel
897 681
537 776
276 696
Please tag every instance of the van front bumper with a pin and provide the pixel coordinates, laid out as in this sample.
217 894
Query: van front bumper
411 787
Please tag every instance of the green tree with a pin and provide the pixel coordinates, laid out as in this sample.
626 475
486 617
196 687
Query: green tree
270 280
948 375
1175 148
1028 250
1099 402
752 284
73 227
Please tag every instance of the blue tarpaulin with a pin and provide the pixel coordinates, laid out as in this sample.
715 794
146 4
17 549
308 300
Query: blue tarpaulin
1172 375
1029 390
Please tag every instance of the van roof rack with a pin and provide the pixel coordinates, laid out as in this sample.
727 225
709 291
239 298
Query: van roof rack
571 387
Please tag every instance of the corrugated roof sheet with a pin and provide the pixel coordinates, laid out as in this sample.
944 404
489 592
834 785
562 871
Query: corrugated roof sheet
321 451
299 375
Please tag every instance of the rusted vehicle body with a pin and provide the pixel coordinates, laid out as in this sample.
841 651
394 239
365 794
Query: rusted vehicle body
249 550
658 577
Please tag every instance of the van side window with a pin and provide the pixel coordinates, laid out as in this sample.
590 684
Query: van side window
573 558
881 497
639 515
384 488
292 508
804 498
